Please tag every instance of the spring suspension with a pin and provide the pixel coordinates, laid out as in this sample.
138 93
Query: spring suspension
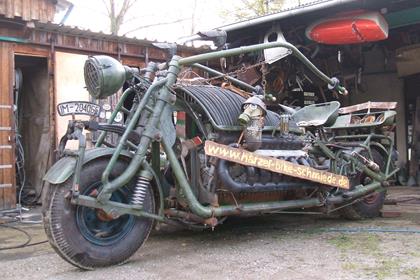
140 191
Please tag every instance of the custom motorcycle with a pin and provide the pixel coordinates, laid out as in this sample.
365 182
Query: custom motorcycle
235 157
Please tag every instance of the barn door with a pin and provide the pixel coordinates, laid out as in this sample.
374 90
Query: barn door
7 152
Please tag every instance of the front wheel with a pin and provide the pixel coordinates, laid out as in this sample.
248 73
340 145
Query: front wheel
89 238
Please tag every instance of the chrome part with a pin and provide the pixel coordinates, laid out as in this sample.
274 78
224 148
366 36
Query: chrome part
140 191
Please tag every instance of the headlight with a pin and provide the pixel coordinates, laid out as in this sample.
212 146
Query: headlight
104 76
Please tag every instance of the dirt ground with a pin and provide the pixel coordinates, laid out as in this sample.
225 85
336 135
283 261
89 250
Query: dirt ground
268 247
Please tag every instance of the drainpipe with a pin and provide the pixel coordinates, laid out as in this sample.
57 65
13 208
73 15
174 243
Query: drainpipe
13 39
67 14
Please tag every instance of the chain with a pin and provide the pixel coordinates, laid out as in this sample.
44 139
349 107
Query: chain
264 72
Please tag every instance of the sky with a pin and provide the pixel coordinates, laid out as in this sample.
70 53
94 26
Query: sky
91 14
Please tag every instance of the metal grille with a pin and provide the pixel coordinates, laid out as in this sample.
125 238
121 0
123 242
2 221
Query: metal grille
92 77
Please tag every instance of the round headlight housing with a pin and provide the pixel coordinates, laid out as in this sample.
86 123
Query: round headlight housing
104 76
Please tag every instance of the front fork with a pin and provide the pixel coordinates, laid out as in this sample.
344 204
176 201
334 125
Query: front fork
74 132
164 97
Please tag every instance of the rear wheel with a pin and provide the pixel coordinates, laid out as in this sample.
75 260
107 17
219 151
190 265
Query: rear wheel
369 206
87 237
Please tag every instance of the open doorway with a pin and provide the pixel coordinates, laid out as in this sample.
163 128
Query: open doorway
32 124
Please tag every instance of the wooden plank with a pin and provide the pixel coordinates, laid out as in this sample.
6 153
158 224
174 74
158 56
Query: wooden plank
51 11
26 10
31 50
3 92
17 8
9 9
35 9
7 157
415 147
10 193
248 158
2 7
5 138
42 11
367 106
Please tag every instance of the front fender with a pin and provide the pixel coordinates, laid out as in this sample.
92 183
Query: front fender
64 168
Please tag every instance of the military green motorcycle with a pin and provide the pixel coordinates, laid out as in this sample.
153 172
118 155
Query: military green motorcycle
236 157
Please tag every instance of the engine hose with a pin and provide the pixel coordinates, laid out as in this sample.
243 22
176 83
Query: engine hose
26 243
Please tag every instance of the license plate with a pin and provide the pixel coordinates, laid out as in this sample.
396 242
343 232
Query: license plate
78 108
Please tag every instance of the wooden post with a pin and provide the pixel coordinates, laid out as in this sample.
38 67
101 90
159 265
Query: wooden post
7 152
415 147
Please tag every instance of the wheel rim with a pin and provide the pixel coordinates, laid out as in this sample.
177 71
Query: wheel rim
99 228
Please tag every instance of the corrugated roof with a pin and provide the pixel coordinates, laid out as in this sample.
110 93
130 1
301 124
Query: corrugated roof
301 6
285 13
304 8
76 31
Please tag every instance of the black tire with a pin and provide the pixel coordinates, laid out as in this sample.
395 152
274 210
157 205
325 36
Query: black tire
371 205
88 238
46 206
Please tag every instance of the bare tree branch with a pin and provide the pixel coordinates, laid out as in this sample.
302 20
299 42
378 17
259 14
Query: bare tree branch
253 8
155 24
106 6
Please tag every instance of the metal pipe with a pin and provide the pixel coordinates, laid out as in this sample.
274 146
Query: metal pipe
67 14
135 163
151 131
358 192
259 47
210 211
265 207
233 80
116 209
13 39
184 215
111 119
80 158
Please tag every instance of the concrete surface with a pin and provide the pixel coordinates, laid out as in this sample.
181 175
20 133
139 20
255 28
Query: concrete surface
269 247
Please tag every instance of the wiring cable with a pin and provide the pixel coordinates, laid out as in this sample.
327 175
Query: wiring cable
20 152
375 229
23 244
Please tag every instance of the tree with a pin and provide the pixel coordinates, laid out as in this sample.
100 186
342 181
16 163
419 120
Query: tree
116 14
255 8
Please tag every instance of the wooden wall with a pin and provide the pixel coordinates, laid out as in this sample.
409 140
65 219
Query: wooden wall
28 10
44 41
7 156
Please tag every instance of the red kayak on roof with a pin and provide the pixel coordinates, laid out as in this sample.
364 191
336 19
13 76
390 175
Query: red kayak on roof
350 28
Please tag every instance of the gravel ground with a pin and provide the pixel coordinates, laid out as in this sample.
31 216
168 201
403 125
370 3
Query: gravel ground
269 247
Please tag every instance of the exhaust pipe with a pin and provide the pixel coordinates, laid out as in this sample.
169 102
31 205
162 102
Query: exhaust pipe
358 192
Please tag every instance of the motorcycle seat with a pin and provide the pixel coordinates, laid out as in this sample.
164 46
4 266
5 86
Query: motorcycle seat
323 114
